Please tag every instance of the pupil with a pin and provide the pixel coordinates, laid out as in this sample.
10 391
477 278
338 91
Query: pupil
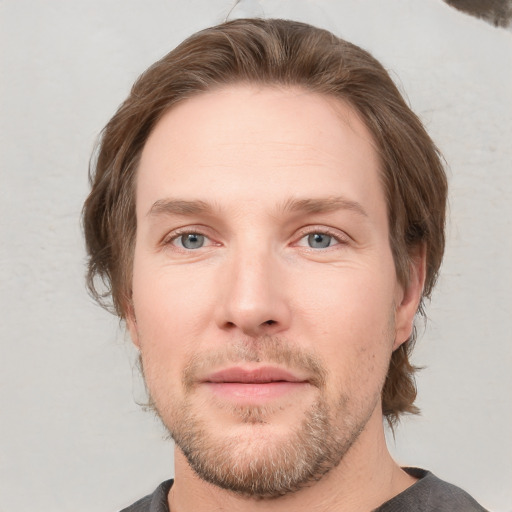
319 241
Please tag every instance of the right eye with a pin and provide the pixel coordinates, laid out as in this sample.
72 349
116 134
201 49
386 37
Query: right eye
189 241
320 240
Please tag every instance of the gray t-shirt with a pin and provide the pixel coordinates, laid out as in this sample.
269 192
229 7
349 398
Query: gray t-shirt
428 494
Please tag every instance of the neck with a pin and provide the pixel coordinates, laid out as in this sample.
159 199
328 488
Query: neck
366 477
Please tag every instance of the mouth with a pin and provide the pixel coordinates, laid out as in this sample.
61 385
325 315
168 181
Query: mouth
253 386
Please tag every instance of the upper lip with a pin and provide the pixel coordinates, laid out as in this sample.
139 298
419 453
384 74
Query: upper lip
260 375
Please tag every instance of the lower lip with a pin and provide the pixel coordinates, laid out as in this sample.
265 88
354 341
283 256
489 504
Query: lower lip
254 392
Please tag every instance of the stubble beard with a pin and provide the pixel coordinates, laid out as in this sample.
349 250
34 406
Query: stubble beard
254 465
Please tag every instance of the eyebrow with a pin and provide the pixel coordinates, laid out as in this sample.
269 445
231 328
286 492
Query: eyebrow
195 207
178 207
324 205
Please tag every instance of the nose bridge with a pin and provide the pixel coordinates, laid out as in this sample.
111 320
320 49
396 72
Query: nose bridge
253 299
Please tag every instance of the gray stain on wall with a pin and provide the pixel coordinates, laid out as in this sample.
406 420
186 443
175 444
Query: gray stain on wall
497 12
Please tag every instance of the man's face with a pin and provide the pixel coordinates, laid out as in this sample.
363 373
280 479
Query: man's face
265 299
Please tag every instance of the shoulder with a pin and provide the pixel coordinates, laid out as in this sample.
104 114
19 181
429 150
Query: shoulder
155 502
431 494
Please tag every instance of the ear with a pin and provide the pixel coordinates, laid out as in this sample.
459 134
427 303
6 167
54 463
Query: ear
131 323
409 297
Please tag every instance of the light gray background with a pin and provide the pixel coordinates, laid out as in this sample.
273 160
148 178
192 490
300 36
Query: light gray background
71 436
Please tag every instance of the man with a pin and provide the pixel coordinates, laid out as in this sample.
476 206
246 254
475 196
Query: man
268 215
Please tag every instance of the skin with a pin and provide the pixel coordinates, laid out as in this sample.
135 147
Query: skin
268 176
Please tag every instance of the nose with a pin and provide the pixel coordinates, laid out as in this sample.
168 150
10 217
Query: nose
253 295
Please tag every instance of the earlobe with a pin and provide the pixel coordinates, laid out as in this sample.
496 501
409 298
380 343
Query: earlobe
411 296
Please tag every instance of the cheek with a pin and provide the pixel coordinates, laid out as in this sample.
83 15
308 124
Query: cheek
169 300
351 302
349 323
170 307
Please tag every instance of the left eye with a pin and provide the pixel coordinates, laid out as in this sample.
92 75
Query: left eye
190 241
318 240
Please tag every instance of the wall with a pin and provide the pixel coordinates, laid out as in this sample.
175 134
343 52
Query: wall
71 434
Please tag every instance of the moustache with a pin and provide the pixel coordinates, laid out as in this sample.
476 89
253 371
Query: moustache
266 350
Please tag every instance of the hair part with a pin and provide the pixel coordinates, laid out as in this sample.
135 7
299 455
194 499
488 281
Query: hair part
272 52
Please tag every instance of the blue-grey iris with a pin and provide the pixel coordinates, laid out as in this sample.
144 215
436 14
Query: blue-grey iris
192 241
319 240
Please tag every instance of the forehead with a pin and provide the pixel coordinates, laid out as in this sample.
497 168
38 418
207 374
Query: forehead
252 143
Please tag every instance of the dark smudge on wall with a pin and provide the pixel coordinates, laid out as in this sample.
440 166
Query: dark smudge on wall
497 12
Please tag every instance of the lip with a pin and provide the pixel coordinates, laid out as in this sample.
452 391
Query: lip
253 386
260 375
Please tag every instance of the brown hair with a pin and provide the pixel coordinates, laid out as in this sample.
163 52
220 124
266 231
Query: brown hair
284 53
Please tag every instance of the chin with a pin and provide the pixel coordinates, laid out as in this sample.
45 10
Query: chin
260 458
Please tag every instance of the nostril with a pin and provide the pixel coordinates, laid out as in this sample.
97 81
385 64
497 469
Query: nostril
270 322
